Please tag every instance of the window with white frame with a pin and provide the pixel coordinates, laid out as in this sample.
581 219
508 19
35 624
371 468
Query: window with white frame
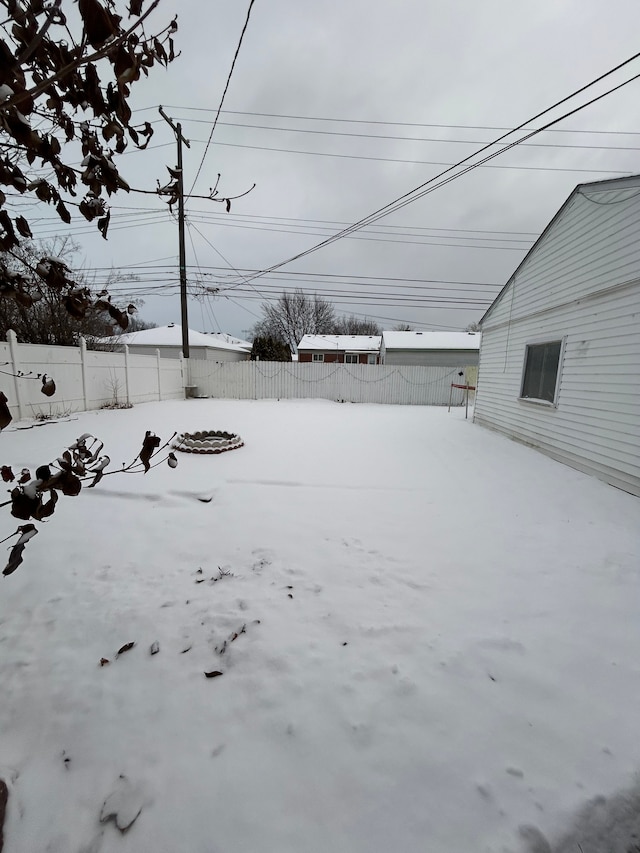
371 359
317 356
351 358
540 375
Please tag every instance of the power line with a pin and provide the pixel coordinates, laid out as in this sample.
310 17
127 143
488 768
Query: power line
430 185
342 287
363 292
407 138
244 307
375 235
396 123
452 306
229 264
414 162
404 320
140 215
320 275
337 222
234 221
375 239
233 65
208 307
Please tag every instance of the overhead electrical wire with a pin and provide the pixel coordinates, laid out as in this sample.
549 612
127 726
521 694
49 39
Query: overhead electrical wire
121 214
152 268
204 302
385 160
229 264
397 204
333 222
430 185
355 300
374 239
392 123
338 291
224 93
430 139
419 162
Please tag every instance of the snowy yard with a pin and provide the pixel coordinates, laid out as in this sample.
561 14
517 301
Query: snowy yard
441 641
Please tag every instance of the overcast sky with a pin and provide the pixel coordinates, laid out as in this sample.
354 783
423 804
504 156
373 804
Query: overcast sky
456 68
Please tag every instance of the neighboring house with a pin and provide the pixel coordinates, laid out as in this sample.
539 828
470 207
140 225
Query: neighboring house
560 356
434 349
344 349
168 339
230 339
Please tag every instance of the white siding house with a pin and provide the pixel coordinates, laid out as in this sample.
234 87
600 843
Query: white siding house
433 349
560 353
215 346
340 349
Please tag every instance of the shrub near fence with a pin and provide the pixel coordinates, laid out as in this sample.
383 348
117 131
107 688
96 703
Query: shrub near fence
84 379
355 383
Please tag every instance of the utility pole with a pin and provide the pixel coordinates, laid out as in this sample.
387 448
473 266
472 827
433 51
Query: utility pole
184 321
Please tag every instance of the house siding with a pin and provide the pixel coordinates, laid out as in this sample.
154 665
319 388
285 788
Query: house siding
582 284
223 355
590 247
333 357
432 358
207 353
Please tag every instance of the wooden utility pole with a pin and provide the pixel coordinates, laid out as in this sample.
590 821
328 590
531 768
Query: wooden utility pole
184 320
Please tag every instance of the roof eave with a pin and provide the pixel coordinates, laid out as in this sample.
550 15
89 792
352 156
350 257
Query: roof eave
552 222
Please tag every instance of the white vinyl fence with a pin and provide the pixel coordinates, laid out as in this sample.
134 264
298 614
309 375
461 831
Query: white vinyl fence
355 383
84 379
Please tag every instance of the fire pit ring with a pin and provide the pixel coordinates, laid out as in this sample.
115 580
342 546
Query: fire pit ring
207 441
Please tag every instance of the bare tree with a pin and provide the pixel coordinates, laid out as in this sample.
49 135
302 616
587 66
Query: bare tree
41 315
354 326
402 327
269 349
294 315
136 323
58 86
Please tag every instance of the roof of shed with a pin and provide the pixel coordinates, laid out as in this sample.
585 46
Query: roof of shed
431 340
171 336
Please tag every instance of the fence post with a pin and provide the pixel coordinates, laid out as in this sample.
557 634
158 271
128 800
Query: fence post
159 362
126 374
15 369
83 363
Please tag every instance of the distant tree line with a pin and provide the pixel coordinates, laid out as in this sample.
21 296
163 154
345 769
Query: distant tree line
41 315
296 314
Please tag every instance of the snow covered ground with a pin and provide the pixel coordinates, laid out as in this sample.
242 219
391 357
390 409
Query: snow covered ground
440 644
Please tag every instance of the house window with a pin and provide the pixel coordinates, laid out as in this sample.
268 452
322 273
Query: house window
351 358
541 372
371 359
318 356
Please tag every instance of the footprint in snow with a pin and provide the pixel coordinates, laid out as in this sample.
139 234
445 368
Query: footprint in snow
124 804
602 825
515 771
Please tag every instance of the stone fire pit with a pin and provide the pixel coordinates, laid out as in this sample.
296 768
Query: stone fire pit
207 441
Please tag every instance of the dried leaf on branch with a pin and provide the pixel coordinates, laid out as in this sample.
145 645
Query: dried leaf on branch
70 80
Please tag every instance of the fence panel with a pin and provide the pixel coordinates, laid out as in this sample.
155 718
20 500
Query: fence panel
143 378
84 379
173 379
105 377
356 383
89 379
64 364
